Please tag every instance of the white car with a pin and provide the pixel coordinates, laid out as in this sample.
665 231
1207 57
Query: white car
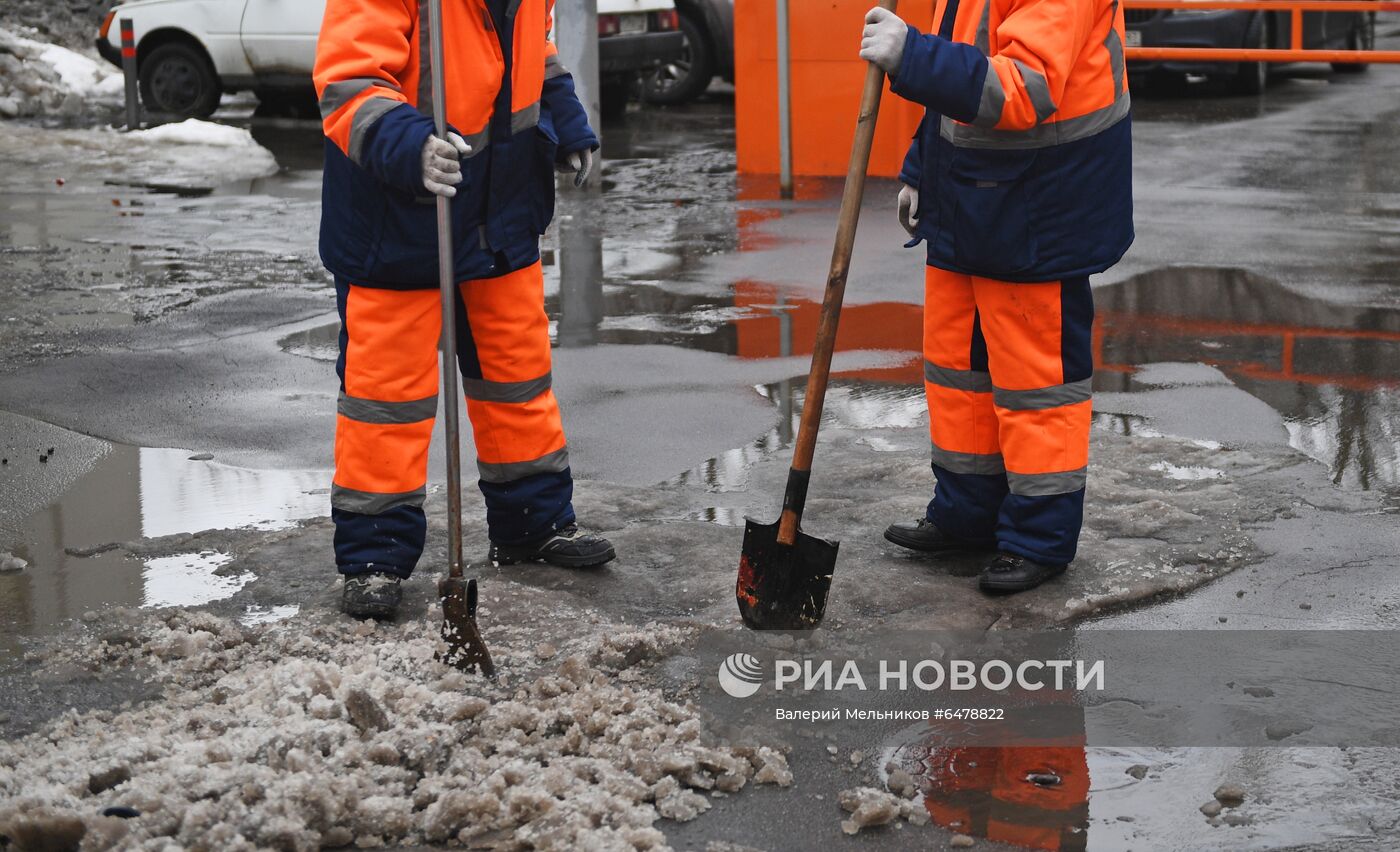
189 52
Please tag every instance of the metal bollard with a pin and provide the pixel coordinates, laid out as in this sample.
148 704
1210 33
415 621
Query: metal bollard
784 103
133 105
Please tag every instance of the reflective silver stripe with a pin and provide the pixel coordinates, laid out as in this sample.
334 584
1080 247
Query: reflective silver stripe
374 411
1038 89
977 381
478 141
993 101
982 41
553 67
365 117
1042 398
525 118
425 71
522 119
1046 484
986 464
1040 136
371 503
484 391
511 471
341 92
1114 45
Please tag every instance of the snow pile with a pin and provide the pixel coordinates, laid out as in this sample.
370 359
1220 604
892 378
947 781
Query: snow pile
195 132
38 78
326 734
869 807
198 152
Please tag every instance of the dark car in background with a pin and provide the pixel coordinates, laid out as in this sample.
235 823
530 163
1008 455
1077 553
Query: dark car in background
635 39
1236 29
708 27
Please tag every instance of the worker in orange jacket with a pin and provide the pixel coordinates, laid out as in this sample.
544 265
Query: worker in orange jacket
514 118
1019 180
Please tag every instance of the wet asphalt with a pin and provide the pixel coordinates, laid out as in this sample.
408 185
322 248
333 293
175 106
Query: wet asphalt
143 325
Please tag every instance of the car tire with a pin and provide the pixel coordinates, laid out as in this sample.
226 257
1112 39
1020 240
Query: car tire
687 78
177 80
1253 77
1361 37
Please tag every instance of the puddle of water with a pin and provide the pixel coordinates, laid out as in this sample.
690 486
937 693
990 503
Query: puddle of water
73 548
255 615
1330 368
1188 473
1087 798
188 579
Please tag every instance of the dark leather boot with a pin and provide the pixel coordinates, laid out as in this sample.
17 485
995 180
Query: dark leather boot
923 536
1008 573
373 595
571 547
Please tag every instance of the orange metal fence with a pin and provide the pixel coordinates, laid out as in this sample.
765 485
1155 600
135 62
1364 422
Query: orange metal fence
1295 52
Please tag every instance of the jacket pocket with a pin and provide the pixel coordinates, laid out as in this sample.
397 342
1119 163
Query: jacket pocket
405 246
542 180
992 232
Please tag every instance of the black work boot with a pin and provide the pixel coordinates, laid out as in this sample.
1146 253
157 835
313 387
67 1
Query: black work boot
1008 573
923 536
373 595
570 547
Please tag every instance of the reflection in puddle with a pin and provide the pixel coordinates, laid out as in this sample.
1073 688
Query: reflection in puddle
73 546
989 792
188 579
1173 471
254 615
178 495
1331 369
1072 797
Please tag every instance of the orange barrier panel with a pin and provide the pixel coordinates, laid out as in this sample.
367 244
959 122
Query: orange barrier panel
826 81
826 74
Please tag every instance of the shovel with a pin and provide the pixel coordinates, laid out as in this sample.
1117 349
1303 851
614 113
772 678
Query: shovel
465 648
785 574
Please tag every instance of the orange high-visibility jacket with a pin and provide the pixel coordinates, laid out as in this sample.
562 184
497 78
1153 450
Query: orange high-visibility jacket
507 94
1023 160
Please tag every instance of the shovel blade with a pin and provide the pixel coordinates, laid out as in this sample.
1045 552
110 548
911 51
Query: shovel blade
466 650
783 587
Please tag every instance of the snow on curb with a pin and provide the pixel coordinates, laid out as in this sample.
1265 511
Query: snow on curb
304 735
38 78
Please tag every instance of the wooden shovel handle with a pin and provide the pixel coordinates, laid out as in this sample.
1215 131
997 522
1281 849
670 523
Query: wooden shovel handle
851 197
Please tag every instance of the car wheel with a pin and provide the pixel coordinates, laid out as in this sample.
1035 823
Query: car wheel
1362 37
687 77
176 79
1253 77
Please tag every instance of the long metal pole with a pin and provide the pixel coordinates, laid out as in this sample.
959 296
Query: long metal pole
133 105
784 104
448 287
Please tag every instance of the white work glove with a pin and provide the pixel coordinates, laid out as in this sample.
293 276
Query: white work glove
442 166
908 206
580 163
882 40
